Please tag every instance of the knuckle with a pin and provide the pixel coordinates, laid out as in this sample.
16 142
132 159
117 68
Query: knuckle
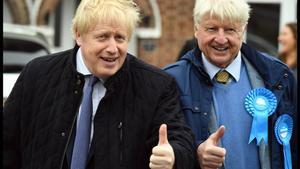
151 158
219 165
169 160
150 165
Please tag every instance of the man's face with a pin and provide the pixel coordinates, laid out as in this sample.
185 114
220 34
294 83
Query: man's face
219 41
104 48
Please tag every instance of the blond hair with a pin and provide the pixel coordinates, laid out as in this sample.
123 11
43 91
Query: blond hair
119 12
236 11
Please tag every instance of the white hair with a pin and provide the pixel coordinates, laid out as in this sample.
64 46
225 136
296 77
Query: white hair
236 11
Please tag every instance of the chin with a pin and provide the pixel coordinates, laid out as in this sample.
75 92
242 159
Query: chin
222 63
107 74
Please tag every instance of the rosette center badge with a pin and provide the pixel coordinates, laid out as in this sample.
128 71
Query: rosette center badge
283 131
261 103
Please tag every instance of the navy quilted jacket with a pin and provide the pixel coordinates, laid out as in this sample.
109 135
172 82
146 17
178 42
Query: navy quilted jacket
40 113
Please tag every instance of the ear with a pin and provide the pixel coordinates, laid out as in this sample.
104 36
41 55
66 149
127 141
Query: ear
78 38
196 34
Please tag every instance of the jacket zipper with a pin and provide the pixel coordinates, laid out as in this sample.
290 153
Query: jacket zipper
68 140
120 127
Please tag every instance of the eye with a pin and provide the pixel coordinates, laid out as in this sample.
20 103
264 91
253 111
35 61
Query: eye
101 37
230 30
120 38
211 29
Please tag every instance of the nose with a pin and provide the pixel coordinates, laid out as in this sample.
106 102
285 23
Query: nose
112 46
221 37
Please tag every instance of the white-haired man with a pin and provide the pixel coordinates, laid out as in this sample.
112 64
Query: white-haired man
215 79
96 106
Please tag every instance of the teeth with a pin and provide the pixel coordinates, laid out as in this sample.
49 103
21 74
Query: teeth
221 49
109 59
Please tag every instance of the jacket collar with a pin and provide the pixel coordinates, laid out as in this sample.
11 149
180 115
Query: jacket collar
194 57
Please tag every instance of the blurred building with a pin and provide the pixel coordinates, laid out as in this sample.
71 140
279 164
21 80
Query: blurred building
166 25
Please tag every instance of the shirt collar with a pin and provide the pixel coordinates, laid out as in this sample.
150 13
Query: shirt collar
80 65
233 68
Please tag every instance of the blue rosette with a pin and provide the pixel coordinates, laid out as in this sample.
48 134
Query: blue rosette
283 132
260 103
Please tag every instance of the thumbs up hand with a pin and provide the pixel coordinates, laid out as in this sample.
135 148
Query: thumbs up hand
162 155
210 155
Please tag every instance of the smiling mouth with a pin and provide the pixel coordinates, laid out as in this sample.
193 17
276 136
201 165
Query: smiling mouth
108 59
221 49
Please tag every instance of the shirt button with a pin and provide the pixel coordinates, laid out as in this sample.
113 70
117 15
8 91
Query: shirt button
76 91
279 87
196 108
63 134
78 82
285 75
205 114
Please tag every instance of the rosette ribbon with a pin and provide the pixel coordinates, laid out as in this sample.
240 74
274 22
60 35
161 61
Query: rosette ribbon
283 132
260 103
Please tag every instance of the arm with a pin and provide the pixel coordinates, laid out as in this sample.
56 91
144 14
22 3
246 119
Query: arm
11 126
14 127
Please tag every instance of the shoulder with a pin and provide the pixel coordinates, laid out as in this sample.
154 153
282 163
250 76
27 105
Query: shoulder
179 69
176 66
47 63
272 59
257 56
52 58
149 77
272 63
181 65
140 67
262 60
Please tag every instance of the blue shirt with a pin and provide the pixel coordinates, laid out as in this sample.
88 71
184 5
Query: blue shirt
233 68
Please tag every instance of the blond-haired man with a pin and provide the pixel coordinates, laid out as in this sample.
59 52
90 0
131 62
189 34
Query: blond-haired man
96 106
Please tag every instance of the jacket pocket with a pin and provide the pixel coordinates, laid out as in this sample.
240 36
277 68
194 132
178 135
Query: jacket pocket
188 104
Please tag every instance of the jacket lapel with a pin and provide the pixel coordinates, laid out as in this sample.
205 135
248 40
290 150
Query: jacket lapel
256 81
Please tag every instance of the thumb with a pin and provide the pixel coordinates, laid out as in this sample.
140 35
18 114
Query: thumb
163 135
216 136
